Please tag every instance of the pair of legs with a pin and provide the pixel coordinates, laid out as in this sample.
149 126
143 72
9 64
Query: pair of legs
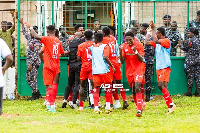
73 79
31 79
193 72
148 79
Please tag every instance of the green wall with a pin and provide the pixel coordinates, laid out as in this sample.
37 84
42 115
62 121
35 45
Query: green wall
177 83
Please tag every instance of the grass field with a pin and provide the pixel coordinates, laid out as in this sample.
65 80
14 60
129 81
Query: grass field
32 116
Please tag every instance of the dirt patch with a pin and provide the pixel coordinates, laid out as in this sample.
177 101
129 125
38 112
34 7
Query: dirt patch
9 115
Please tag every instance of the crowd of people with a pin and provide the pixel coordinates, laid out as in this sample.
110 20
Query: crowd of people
95 60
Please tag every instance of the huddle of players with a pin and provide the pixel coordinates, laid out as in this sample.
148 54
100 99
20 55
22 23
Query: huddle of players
100 64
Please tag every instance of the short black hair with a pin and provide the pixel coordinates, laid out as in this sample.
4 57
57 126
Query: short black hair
57 33
51 28
162 31
145 25
167 16
88 34
96 20
106 31
35 27
61 27
4 22
198 12
133 30
77 26
9 25
98 36
194 31
133 22
112 28
129 33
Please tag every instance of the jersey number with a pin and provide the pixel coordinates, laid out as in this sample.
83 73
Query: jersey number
113 49
89 56
55 51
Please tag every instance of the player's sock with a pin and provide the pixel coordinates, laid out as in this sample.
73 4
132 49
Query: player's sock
123 94
115 94
96 96
47 94
51 96
55 89
91 97
134 98
70 96
108 95
139 100
81 103
142 91
107 106
167 97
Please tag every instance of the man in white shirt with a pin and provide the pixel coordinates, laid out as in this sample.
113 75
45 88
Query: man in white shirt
5 53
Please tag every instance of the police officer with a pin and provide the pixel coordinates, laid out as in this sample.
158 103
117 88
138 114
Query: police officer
32 60
149 59
194 24
192 60
174 36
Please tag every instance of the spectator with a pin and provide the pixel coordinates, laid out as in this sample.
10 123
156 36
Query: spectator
64 36
192 61
5 53
96 24
6 34
134 24
174 36
194 24
166 22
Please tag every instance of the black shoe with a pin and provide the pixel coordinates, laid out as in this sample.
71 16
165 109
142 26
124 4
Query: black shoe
86 99
132 101
64 104
35 95
196 94
125 105
39 95
111 106
188 94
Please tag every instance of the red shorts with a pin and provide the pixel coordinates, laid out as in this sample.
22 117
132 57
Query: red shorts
85 74
48 76
99 79
163 74
117 75
135 78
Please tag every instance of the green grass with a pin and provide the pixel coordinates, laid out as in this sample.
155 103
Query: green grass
32 116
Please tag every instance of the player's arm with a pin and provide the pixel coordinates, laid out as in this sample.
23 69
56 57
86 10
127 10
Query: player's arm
121 56
34 34
79 58
146 41
13 27
41 55
106 55
139 57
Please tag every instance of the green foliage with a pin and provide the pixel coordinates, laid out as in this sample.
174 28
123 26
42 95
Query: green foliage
23 50
32 116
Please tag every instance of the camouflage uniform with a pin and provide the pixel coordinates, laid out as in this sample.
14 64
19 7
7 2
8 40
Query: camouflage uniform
192 24
32 57
192 62
64 41
149 61
173 36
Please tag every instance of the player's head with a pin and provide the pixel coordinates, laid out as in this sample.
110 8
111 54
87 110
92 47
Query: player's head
129 36
4 25
160 33
51 30
57 33
63 30
143 28
174 26
198 15
9 25
78 35
134 31
96 24
98 37
192 32
106 31
166 20
78 28
88 34
112 30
